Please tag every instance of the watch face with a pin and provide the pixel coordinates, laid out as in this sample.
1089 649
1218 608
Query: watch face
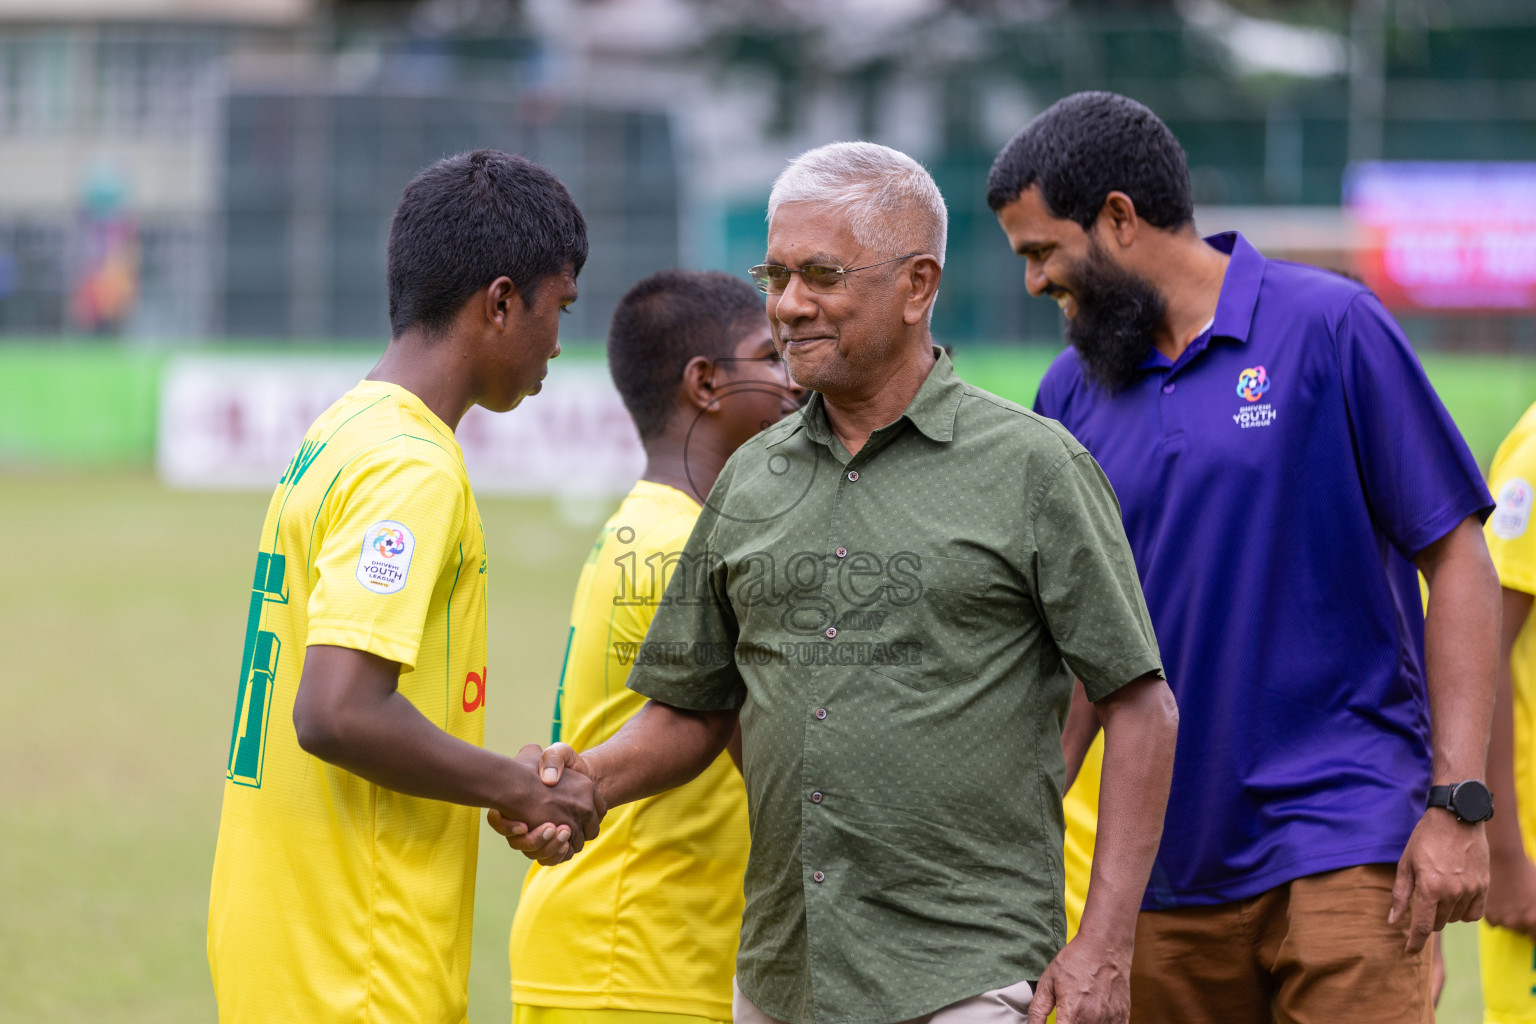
1472 802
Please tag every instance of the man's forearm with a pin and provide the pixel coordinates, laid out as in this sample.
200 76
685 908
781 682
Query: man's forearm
659 748
393 745
1461 643
1141 723
348 713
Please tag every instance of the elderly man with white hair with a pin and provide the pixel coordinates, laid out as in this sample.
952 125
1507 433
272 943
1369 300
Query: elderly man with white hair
892 591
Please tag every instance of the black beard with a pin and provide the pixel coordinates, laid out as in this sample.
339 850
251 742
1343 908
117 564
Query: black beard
1117 311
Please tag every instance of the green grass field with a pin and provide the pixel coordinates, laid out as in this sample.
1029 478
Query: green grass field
119 648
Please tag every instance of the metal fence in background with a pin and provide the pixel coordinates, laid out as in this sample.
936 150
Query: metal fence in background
311 174
254 203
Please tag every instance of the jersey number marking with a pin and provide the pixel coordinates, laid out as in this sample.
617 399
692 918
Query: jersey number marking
258 667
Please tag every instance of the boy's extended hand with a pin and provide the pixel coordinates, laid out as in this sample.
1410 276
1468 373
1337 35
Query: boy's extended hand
550 844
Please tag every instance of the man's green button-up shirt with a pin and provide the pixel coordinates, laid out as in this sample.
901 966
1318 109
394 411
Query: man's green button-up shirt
900 629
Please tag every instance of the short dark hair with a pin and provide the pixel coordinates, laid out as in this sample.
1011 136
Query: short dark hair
663 322
1082 148
469 219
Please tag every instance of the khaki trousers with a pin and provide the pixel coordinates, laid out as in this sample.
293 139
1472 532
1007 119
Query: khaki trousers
1317 950
1000 1006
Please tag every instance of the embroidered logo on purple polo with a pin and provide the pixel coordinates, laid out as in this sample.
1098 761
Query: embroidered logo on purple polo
1252 383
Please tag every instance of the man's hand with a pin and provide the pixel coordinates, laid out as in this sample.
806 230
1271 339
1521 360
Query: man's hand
568 802
1512 893
1441 877
550 843
658 748
1087 983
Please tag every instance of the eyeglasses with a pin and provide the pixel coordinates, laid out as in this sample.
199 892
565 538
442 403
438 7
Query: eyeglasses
775 362
772 278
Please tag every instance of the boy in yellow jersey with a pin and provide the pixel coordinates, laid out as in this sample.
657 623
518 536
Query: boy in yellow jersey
642 928
1508 928
1080 809
343 882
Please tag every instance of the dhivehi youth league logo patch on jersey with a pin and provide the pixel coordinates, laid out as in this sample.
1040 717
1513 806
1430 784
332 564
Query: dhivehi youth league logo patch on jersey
386 558
1513 513
1252 385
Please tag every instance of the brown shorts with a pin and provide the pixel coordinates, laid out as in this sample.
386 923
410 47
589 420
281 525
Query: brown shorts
1317 950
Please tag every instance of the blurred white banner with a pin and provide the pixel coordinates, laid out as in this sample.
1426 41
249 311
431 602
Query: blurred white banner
234 422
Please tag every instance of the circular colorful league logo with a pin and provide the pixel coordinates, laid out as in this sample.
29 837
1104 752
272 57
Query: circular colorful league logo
389 542
1513 514
1252 383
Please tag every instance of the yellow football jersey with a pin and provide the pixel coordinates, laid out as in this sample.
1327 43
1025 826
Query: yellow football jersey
335 899
1080 807
1508 958
647 917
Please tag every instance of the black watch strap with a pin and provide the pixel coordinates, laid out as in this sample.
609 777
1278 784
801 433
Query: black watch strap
1470 801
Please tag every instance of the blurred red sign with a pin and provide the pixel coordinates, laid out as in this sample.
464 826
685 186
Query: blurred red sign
235 422
1447 235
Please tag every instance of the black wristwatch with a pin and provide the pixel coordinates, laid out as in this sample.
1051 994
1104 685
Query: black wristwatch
1470 801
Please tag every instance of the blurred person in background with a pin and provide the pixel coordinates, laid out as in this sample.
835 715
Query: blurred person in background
893 588
344 878
1506 948
642 928
106 275
1283 466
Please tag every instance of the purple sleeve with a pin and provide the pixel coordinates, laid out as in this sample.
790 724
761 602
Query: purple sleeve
1420 478
1043 405
1049 397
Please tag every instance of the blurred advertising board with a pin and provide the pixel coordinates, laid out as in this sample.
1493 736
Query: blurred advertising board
234 422
1446 236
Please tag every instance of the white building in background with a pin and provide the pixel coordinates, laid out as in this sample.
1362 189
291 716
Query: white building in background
123 108
115 105
108 109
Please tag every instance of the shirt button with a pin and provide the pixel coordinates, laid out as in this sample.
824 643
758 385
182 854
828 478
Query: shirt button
821 713
816 798
842 552
1168 388
853 476
817 876
831 632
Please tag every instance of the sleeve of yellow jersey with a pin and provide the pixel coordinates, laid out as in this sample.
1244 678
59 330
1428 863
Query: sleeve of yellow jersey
660 547
394 524
1511 540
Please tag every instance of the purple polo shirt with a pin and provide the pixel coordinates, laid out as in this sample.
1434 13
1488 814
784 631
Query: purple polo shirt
1275 481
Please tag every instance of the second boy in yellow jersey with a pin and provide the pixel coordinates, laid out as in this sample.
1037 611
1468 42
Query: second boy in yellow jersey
343 882
644 925
1507 949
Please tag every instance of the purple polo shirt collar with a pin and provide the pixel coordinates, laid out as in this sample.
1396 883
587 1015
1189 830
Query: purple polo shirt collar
1235 305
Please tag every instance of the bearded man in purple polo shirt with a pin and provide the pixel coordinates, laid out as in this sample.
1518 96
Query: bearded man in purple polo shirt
1283 467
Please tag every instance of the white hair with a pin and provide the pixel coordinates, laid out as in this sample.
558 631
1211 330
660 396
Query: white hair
892 203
